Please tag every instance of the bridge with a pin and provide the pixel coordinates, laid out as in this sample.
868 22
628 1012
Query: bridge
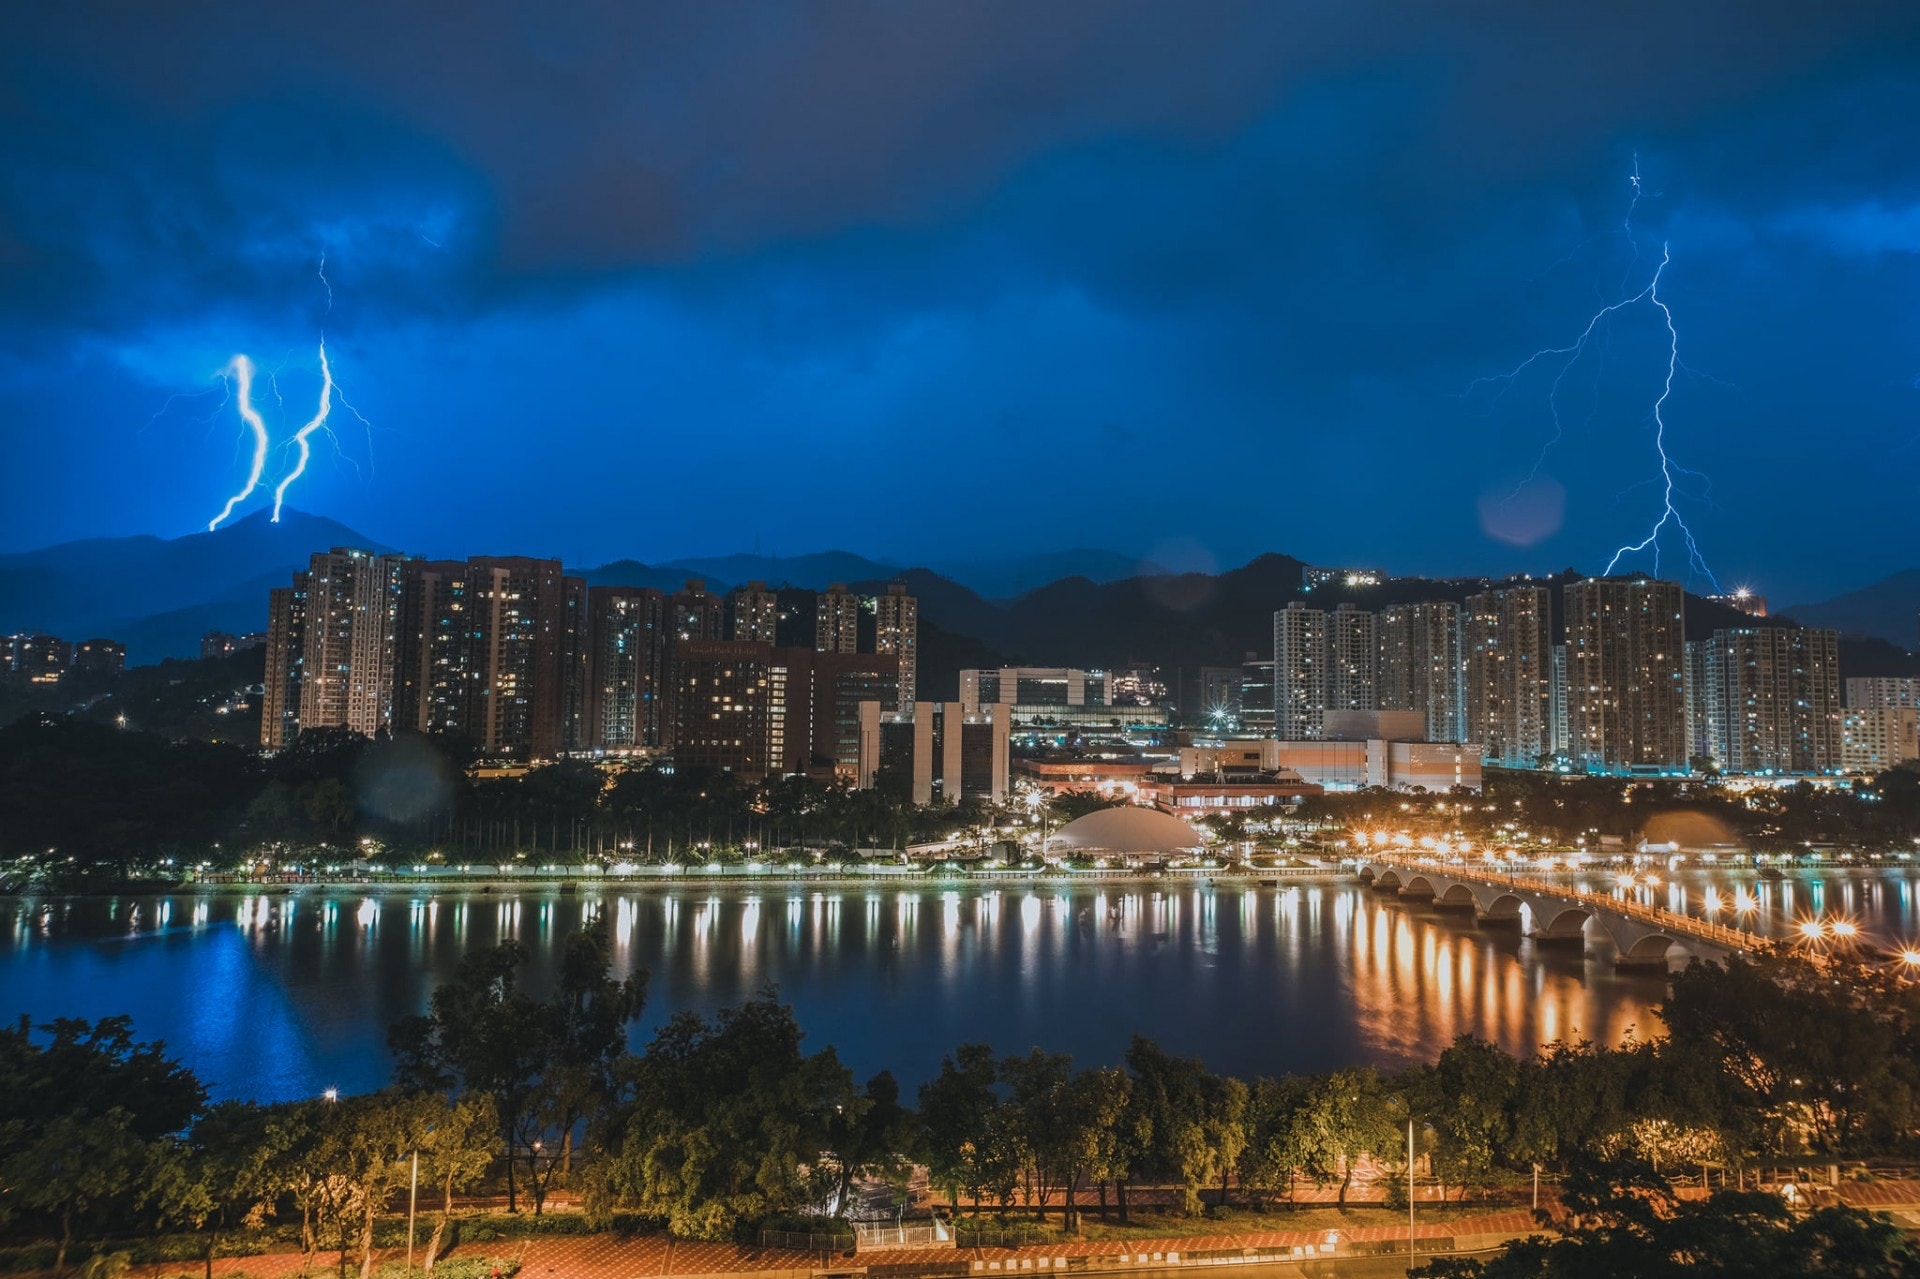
1641 934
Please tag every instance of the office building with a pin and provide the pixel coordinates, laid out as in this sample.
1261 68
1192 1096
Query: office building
936 752
1506 662
1301 654
1033 687
836 620
1420 665
897 634
1402 765
1626 675
1766 699
1256 696
756 614
1880 692
1881 738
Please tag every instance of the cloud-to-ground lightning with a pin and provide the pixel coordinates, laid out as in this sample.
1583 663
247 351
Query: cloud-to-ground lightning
239 374
240 370
302 446
1569 355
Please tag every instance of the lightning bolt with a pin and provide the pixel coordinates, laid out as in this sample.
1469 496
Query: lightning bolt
239 371
302 439
1598 325
239 375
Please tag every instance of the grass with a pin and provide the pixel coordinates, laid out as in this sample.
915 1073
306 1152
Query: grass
1158 1225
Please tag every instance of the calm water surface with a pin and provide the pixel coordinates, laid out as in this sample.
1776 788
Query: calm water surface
273 995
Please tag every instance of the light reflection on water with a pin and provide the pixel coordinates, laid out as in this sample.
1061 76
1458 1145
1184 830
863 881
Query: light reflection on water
277 995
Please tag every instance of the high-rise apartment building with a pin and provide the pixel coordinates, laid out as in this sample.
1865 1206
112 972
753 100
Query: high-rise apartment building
756 613
438 682
836 620
1879 738
526 616
626 667
1420 665
1766 699
897 634
1353 655
286 663
1626 674
1880 692
758 711
1506 652
1301 656
352 636
693 613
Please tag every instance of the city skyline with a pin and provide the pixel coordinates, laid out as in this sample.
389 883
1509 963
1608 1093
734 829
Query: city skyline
778 259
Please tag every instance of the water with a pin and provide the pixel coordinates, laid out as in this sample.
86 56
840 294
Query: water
271 995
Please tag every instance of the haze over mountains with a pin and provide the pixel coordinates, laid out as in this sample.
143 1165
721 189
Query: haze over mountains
1083 607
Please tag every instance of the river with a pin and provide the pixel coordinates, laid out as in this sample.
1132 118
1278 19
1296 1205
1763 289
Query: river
273 995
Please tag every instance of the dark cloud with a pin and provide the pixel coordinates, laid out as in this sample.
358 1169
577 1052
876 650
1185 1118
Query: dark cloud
1286 231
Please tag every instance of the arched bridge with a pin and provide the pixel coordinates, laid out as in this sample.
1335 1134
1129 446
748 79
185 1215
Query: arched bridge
1641 935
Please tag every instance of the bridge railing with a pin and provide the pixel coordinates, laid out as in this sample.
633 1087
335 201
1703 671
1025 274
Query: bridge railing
1669 920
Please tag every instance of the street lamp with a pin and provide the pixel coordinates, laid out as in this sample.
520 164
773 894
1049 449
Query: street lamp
1408 1106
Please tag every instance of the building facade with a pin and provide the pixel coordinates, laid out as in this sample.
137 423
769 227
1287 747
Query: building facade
756 614
937 751
897 634
1766 699
1301 655
1881 738
1506 653
1626 675
1420 665
1879 692
836 620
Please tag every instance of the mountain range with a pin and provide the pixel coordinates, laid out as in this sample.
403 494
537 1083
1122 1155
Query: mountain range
1085 607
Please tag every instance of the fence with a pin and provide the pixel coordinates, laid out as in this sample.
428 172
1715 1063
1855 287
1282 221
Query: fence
807 1241
932 1234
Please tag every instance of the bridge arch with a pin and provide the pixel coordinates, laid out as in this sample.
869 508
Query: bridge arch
1650 951
1458 896
1419 886
1568 924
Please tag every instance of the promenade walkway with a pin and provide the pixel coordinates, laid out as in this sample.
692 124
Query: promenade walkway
610 1256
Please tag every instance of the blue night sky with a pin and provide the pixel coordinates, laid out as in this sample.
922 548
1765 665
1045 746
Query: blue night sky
938 281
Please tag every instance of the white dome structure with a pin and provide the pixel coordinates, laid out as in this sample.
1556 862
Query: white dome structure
1128 831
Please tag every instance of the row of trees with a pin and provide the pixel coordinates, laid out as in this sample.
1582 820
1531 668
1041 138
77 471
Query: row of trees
85 796
723 1123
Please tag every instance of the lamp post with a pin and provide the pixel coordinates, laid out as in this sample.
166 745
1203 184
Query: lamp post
413 1201
1408 1106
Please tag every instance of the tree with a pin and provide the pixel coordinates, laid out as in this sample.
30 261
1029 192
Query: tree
958 1116
457 1148
872 1138
225 1174
1346 1116
485 1034
1091 1108
725 1119
76 1164
1193 1121
1626 1221
1276 1145
1469 1096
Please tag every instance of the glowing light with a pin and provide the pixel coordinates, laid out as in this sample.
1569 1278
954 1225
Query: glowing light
1910 957
1812 928
240 370
1844 928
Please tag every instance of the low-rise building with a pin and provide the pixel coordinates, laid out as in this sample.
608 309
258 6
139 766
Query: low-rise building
938 750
